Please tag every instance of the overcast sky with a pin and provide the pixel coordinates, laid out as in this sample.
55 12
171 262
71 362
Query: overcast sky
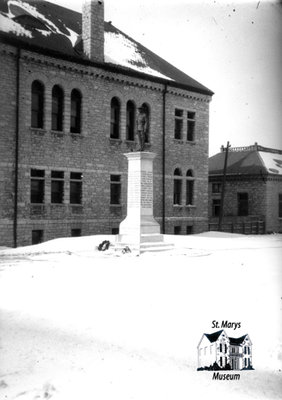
233 48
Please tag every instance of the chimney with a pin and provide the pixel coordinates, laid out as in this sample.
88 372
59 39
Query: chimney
93 29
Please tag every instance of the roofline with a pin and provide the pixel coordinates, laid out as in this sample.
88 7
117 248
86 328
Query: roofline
221 331
263 174
18 43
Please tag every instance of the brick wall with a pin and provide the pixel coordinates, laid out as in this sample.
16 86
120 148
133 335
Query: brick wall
273 189
92 152
256 189
263 197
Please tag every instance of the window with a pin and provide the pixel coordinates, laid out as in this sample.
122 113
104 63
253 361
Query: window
225 348
115 189
216 187
115 231
177 187
57 187
37 104
246 362
220 347
57 108
220 361
190 126
189 187
177 230
36 236
115 117
243 204
75 188
130 120
189 230
75 232
216 205
280 205
178 124
75 123
37 180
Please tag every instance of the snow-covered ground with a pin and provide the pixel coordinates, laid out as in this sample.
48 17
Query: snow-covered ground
77 323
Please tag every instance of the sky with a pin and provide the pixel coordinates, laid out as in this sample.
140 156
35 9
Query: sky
233 48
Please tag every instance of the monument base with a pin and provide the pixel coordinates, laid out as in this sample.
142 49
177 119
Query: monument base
149 242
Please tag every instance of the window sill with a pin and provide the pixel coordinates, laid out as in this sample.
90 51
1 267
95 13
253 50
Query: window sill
38 131
192 142
76 208
178 206
76 135
190 206
57 133
131 144
179 141
115 205
114 141
37 209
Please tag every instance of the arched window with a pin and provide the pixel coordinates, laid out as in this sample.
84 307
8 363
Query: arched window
189 187
37 104
177 186
75 123
115 118
147 112
130 120
57 108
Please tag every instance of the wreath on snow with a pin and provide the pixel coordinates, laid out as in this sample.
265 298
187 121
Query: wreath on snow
104 245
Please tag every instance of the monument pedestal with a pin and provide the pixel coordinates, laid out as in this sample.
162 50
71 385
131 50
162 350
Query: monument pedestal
139 230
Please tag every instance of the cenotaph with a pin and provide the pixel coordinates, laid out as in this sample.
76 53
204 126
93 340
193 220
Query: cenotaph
139 230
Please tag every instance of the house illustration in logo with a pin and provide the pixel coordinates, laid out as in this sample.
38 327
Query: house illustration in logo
219 351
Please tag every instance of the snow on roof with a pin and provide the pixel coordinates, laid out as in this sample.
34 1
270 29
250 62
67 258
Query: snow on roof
31 10
248 160
123 51
8 25
272 162
51 27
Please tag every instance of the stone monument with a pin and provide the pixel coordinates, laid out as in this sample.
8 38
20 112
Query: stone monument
139 230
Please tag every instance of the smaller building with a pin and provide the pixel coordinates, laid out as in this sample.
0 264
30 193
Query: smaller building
226 352
253 190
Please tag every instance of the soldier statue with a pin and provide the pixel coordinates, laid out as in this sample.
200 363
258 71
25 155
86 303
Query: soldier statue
142 126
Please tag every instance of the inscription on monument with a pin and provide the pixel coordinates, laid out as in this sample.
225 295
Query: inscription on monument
146 189
134 188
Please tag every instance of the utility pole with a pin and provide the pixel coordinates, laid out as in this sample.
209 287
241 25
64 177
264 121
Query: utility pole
223 188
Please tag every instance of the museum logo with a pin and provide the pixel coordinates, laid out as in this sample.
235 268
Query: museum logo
219 352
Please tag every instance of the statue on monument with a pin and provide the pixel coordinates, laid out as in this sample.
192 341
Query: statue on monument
142 127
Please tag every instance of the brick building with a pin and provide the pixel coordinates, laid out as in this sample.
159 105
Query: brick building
71 86
253 190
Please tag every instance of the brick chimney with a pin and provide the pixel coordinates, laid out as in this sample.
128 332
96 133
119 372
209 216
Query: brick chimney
93 29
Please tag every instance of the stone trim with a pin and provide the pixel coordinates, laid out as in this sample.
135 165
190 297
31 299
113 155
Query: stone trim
111 76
